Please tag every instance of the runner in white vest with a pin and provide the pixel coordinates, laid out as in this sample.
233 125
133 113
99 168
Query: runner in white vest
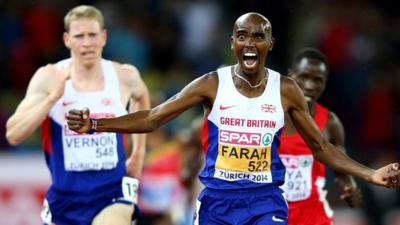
90 182
244 107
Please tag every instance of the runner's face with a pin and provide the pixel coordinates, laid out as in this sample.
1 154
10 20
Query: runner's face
251 42
311 75
86 40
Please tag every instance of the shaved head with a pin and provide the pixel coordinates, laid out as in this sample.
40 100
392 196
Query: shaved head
253 18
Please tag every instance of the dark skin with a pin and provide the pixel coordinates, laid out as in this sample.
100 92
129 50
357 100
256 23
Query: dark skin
203 91
311 75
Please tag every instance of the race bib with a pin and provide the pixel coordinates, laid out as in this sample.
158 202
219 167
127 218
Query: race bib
83 152
130 188
242 156
298 177
45 214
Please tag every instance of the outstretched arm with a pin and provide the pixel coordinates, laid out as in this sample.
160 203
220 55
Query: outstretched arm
351 194
295 104
200 90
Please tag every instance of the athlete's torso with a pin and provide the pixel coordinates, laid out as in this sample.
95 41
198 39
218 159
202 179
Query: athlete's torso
83 163
305 177
240 137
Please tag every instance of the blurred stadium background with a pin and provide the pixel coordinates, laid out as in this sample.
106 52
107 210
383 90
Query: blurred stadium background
174 41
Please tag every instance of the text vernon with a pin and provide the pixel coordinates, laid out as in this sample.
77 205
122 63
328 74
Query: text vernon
92 141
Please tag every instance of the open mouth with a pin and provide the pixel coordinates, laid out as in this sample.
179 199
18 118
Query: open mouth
250 59
88 53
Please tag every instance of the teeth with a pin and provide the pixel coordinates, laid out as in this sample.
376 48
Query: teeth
250 54
249 64
308 98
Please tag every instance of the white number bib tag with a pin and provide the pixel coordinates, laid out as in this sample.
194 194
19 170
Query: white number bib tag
130 187
45 214
298 176
90 152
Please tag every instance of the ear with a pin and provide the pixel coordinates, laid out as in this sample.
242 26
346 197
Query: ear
66 39
104 37
231 42
271 44
290 72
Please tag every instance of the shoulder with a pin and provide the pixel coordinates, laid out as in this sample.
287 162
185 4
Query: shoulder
289 88
207 82
288 84
333 120
43 79
210 78
46 73
204 87
126 72
292 96
335 129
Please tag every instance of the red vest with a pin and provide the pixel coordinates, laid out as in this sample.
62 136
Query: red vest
305 177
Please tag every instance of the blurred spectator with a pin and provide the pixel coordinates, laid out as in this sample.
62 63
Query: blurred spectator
169 184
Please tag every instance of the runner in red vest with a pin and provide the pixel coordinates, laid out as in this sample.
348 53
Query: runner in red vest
305 176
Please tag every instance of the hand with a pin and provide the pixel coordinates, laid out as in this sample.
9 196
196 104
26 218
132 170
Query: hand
352 196
350 192
132 167
387 176
79 120
61 75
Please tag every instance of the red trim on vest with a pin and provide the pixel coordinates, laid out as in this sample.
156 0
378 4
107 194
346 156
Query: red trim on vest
46 135
321 116
204 136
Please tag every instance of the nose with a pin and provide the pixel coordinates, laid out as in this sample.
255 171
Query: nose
86 40
308 85
250 42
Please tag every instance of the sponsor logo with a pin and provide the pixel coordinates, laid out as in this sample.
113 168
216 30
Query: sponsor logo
66 102
268 108
221 107
240 138
267 139
295 162
277 219
305 162
107 101
290 162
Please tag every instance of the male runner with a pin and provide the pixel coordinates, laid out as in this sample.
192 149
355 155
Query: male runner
88 172
305 177
244 107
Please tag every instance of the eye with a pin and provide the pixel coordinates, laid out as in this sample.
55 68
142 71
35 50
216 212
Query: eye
318 80
240 37
78 36
260 36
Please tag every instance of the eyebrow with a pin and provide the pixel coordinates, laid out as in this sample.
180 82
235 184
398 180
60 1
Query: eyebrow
241 30
259 33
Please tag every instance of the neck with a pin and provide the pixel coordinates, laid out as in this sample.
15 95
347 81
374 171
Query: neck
86 72
311 107
252 80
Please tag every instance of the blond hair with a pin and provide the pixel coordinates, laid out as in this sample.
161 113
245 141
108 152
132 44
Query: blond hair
83 11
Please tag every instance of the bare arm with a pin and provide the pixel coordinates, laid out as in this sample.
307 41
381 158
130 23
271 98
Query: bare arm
350 192
44 89
295 105
139 100
201 90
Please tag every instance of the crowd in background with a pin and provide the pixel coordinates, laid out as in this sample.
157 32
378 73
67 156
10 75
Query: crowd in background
173 41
